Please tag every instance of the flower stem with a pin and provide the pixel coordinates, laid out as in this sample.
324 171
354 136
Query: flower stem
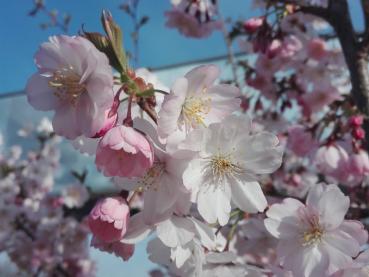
128 120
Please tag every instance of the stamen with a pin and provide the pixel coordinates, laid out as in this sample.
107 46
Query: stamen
195 108
314 234
67 84
222 166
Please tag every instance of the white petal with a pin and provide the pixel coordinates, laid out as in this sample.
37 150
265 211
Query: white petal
261 153
65 123
283 221
214 205
137 230
315 193
333 206
356 230
193 176
307 262
205 234
201 77
159 203
176 231
221 258
248 196
171 108
40 95
343 242
180 255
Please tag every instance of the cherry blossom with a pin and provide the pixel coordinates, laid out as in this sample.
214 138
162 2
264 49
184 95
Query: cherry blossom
75 80
194 101
190 171
124 152
225 170
193 18
108 220
314 239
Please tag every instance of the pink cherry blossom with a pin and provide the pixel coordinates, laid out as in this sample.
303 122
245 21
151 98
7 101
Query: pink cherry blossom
359 165
75 80
228 158
300 141
316 49
189 26
194 101
108 220
193 18
314 239
318 99
124 152
332 160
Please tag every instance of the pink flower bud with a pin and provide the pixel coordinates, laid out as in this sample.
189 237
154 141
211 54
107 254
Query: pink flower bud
358 133
108 220
356 120
124 152
333 160
253 24
359 163
316 49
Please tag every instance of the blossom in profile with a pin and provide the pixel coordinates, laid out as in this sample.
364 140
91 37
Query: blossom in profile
75 80
194 19
108 220
333 160
124 152
195 101
315 239
229 157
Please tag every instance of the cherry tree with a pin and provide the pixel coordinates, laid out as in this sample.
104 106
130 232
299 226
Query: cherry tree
264 175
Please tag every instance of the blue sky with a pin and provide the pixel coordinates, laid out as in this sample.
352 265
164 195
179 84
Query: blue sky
21 35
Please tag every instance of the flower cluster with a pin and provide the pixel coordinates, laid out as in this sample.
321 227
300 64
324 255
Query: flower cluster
38 232
192 168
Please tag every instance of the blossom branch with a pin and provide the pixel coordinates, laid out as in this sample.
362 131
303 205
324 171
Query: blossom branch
356 54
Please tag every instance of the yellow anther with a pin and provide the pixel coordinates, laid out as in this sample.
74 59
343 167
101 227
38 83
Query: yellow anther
66 83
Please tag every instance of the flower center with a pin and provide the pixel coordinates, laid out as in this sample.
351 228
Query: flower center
151 180
195 109
222 166
312 236
67 84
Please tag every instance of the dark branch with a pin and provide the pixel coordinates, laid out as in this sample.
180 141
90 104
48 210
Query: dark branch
355 52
